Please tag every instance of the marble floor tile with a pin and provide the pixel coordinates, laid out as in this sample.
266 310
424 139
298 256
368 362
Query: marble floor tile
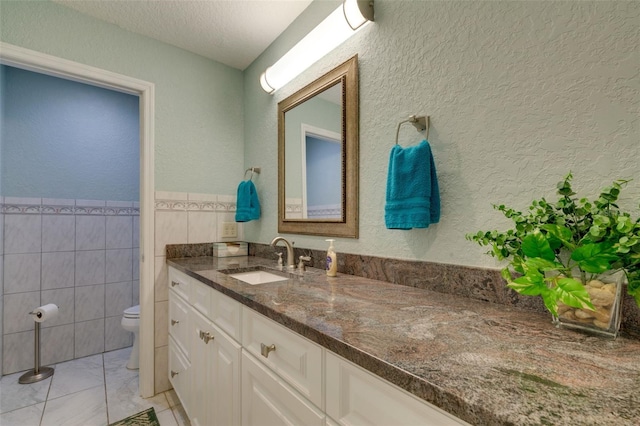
77 375
116 359
181 416
27 416
172 397
123 397
84 408
166 418
14 395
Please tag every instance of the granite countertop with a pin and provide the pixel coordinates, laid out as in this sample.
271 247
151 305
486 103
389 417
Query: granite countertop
487 364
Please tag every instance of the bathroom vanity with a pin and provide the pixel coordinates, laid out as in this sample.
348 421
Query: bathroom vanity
315 350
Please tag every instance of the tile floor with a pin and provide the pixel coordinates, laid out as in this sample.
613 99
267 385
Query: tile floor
95 390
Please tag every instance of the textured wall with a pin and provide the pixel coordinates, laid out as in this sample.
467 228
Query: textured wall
64 139
519 93
199 114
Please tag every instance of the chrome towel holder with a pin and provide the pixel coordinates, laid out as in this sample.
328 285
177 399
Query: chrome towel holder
252 170
420 122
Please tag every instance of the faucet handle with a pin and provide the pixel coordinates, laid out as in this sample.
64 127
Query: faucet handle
301 265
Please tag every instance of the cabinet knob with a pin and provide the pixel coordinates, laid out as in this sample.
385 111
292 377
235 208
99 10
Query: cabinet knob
206 336
174 322
265 350
173 374
174 283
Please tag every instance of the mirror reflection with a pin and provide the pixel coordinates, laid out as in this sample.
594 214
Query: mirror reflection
318 156
313 133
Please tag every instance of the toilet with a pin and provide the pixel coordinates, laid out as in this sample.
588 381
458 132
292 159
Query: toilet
131 322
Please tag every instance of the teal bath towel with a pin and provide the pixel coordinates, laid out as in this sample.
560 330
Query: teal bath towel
247 203
413 197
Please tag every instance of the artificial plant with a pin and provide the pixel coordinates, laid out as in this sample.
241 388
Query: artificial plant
557 247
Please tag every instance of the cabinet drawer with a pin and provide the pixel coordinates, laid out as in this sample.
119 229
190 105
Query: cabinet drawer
179 282
200 297
297 360
179 374
179 321
355 396
268 400
226 313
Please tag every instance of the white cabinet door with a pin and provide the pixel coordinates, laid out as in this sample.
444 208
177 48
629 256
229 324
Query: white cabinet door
179 374
179 321
215 384
356 397
179 282
268 401
296 359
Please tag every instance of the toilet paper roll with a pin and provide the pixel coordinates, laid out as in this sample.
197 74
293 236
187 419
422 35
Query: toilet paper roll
45 312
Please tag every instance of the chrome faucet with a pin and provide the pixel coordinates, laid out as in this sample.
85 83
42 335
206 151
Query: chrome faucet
290 261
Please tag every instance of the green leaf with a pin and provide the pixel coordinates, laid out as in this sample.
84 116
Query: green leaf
541 264
531 284
536 245
571 292
506 274
594 258
561 233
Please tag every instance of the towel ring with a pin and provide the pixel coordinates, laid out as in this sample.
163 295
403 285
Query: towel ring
252 170
421 123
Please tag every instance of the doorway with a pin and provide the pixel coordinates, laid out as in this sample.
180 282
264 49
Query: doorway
46 64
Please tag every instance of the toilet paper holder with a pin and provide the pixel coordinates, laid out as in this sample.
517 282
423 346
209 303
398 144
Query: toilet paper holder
38 373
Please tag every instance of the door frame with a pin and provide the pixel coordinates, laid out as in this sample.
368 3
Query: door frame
32 60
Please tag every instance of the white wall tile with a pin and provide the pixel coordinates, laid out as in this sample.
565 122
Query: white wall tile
171 228
161 284
58 233
161 312
17 306
89 338
90 232
22 233
17 352
21 273
116 337
136 231
202 197
64 298
89 302
136 293
70 202
119 203
119 232
56 344
91 203
161 376
119 266
58 270
118 297
25 201
201 227
90 267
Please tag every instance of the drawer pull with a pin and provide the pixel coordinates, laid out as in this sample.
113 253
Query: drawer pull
174 283
174 373
174 322
206 336
265 350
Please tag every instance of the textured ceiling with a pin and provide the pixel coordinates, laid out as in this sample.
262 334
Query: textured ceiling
233 32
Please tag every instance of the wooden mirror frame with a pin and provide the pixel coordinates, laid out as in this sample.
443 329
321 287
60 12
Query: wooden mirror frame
347 227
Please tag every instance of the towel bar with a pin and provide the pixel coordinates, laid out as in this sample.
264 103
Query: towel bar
252 170
420 122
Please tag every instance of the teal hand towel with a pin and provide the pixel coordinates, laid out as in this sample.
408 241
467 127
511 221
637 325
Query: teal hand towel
413 196
247 203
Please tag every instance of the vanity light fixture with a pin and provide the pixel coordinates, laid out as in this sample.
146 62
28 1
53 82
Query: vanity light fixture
341 24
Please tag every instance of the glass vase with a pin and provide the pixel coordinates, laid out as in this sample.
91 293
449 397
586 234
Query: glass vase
605 292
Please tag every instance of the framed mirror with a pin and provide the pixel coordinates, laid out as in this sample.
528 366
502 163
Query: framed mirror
318 156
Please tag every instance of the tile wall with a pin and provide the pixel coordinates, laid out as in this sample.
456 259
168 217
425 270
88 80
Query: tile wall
182 218
82 255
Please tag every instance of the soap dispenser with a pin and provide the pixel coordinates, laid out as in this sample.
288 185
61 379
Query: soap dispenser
280 265
332 261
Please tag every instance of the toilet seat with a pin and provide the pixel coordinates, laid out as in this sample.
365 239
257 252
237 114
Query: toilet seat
132 312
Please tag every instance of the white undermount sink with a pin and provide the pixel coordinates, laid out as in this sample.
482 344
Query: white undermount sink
258 277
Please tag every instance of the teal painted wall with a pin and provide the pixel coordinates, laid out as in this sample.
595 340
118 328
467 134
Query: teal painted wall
519 94
199 139
64 139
